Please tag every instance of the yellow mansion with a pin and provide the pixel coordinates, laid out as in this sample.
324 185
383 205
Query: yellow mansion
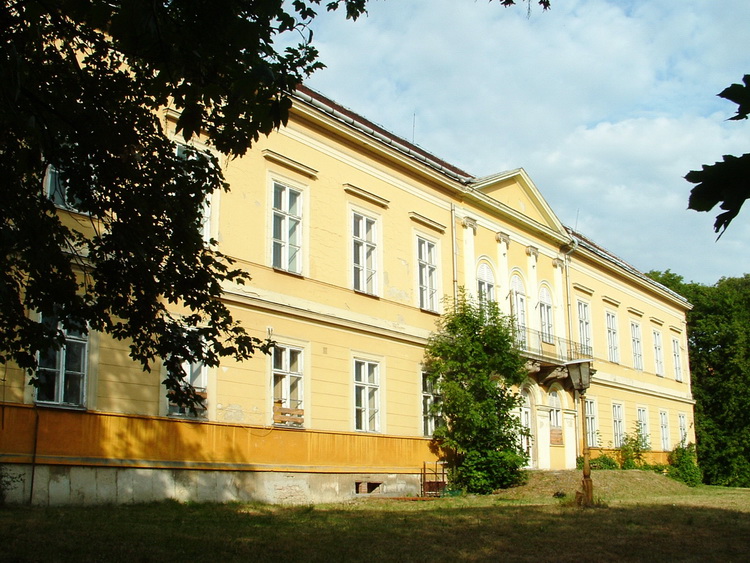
353 238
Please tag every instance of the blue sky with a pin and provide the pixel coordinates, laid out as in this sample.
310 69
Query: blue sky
606 104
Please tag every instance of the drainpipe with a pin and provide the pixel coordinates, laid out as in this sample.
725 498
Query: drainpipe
454 253
33 454
573 247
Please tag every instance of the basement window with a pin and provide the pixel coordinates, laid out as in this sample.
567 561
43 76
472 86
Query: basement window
367 487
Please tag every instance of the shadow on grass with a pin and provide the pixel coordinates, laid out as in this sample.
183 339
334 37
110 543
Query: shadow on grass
432 532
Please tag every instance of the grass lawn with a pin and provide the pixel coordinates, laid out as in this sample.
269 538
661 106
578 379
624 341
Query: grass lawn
648 517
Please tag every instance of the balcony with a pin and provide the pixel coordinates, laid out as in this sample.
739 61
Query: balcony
548 349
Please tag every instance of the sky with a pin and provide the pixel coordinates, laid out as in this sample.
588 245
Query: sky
606 104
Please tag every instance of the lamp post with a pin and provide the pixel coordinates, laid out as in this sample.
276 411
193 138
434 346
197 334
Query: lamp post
580 373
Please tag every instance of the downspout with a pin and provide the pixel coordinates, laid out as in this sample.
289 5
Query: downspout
571 250
454 252
33 454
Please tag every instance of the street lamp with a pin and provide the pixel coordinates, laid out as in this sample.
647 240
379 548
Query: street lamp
580 373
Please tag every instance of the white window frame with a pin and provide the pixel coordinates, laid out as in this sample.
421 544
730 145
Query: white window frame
637 345
525 417
288 378
53 363
682 422
287 233
658 354
57 190
584 327
485 283
427 273
664 428
205 218
592 428
545 315
677 359
366 395
642 421
613 351
364 253
518 309
555 410
430 420
618 424
196 374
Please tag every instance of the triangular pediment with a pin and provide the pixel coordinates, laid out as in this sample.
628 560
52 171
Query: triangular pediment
515 190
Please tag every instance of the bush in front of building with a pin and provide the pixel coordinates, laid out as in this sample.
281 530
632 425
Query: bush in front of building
472 361
683 465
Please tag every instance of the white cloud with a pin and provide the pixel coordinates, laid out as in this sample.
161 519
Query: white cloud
606 103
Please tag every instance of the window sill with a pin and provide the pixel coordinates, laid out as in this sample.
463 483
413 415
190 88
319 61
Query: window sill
430 312
288 273
79 408
366 294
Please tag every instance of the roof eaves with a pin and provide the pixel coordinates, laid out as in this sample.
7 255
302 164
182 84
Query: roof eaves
359 123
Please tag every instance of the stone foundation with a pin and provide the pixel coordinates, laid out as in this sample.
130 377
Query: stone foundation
56 485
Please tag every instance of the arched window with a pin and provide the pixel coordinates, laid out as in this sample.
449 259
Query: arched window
518 305
485 283
545 315
525 412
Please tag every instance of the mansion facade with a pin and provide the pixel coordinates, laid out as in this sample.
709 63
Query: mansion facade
354 238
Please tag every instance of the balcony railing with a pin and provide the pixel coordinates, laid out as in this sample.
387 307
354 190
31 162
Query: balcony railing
545 347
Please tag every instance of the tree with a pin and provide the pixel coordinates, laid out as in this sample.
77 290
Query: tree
726 182
719 348
472 361
83 86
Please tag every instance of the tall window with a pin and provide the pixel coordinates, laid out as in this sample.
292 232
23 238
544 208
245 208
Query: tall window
287 383
196 374
677 359
366 396
525 412
682 421
62 371
618 425
364 253
427 259
584 328
643 426
287 228
592 431
545 315
555 419
518 304
184 152
658 355
635 338
613 353
430 418
58 191
485 283
664 428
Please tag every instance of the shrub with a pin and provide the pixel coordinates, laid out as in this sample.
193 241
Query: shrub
684 465
486 472
604 461
632 448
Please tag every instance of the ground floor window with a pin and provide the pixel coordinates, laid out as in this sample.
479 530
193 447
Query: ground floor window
61 375
196 375
430 417
366 395
618 425
592 431
287 385
664 427
555 419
